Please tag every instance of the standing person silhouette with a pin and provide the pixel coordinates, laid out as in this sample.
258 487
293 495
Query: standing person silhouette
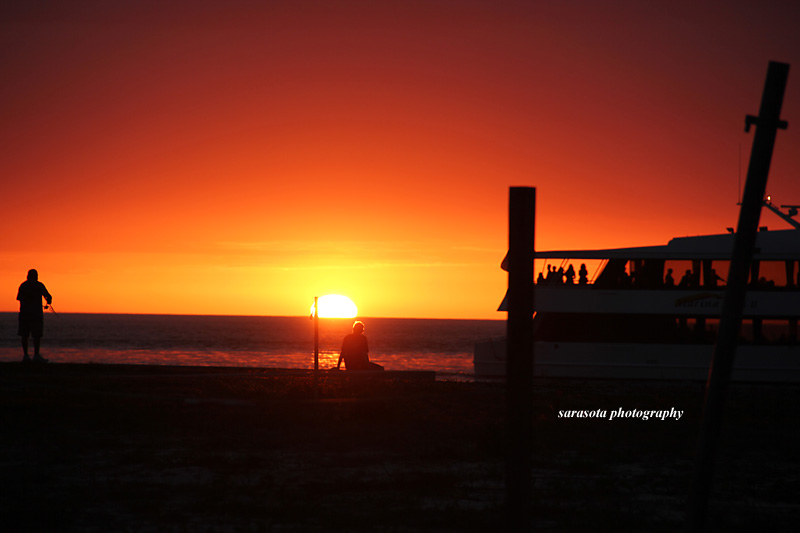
355 351
31 314
669 281
583 275
570 275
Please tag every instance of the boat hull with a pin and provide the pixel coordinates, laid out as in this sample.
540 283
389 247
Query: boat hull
753 363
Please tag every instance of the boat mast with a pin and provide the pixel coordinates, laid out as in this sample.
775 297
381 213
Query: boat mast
768 122
785 216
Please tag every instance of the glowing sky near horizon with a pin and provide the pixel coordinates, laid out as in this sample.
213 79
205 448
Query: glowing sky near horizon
241 157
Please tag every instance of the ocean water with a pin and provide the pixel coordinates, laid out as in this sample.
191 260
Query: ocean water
444 346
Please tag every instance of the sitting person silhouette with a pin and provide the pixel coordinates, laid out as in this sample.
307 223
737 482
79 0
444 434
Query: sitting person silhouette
31 315
355 352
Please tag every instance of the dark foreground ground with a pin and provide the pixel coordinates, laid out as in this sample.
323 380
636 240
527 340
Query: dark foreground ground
131 448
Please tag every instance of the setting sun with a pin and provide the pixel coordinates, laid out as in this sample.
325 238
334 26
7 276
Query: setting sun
336 306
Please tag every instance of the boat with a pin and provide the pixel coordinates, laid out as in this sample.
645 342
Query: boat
652 312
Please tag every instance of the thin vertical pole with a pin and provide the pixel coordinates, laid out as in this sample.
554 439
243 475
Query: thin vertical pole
767 122
316 347
519 362
316 334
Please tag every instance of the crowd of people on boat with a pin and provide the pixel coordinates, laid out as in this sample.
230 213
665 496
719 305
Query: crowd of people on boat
563 277
560 276
689 280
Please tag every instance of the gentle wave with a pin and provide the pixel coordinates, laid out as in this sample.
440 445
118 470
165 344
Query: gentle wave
444 346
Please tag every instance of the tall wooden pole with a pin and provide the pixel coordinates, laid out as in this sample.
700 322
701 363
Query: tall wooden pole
767 124
519 361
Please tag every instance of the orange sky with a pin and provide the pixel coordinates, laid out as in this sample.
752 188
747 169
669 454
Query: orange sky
243 157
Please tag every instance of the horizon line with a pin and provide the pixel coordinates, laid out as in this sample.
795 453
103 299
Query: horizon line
260 316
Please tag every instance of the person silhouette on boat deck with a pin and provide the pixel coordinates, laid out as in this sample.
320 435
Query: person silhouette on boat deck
550 275
686 280
570 274
583 275
355 351
31 314
540 279
714 278
669 281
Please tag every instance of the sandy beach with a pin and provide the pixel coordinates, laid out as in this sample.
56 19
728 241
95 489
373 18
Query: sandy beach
157 448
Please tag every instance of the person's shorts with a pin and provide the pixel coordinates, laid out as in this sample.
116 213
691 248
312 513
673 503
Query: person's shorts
30 326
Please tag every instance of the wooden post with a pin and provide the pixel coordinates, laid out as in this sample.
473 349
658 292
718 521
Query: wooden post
767 122
519 362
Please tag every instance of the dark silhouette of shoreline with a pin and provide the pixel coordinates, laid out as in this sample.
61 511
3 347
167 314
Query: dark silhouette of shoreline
134 447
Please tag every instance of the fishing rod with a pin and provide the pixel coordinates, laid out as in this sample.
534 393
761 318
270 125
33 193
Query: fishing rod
52 309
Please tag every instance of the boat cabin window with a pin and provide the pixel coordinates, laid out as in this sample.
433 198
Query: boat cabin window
774 274
696 274
620 273
567 271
